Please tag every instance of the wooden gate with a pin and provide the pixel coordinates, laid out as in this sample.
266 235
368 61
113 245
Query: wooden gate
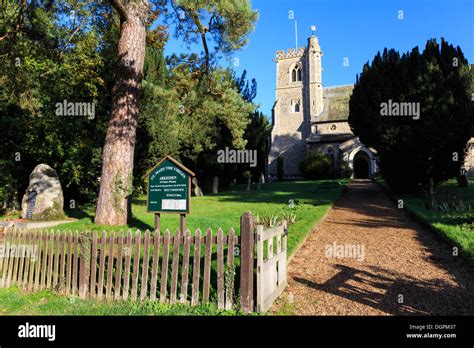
271 266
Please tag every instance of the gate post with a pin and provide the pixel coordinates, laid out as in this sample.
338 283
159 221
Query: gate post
246 262
85 244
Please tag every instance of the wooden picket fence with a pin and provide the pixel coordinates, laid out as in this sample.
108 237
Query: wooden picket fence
123 266
180 268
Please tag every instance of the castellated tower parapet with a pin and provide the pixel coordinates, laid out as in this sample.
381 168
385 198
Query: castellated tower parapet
290 53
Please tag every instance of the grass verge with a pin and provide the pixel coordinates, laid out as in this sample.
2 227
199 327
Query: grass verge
13 301
454 225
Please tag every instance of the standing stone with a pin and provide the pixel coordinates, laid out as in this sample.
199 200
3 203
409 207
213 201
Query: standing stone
249 181
215 185
197 190
43 199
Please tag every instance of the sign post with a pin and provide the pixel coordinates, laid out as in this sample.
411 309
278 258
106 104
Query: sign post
169 191
157 221
182 224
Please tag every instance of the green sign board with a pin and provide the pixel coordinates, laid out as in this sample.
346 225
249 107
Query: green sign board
169 187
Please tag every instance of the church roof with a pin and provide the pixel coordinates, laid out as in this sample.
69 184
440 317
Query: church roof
329 138
336 104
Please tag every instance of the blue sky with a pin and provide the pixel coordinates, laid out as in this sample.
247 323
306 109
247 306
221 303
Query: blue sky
355 29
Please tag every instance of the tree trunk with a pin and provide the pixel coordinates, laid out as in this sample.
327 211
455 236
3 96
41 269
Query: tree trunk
117 157
432 204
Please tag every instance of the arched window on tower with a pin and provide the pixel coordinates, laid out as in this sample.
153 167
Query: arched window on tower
296 74
295 105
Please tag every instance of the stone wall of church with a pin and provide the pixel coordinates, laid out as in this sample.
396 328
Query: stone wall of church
325 148
333 128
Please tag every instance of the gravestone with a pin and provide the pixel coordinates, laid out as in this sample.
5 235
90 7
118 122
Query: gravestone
215 185
43 199
462 180
197 190
261 180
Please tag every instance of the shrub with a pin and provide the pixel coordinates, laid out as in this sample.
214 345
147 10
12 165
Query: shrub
345 170
316 166
267 221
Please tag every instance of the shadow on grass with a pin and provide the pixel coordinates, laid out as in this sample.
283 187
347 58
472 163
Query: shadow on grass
135 223
139 201
309 192
79 213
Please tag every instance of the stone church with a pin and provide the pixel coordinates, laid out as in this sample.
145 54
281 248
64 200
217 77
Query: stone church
307 116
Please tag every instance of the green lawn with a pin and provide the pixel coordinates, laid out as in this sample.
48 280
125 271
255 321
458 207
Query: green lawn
455 225
313 199
15 302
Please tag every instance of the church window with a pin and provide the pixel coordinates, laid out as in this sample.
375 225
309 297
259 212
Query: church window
296 74
296 106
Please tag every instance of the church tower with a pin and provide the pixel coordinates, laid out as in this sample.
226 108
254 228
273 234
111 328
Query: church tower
299 98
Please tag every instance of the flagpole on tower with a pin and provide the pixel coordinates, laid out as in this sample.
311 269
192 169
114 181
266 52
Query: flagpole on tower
296 34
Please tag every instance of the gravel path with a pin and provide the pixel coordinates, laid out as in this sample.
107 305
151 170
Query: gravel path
400 268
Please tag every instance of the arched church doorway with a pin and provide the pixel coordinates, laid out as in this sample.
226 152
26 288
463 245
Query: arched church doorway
361 165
